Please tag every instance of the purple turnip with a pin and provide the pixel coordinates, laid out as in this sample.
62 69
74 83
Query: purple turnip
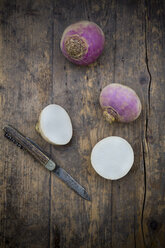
82 42
120 103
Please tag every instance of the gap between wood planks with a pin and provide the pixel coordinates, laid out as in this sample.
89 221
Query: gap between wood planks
144 143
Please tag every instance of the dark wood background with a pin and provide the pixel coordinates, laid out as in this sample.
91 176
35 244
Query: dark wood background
36 209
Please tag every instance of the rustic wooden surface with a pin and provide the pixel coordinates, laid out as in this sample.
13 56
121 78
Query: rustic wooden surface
36 209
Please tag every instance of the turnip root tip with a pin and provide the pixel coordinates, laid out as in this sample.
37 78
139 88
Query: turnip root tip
37 127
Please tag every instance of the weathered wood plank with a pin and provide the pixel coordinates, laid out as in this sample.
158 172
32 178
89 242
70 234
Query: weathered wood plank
130 69
25 86
154 211
81 223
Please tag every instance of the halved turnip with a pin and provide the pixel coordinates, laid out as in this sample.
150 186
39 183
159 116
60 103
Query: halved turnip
112 157
55 125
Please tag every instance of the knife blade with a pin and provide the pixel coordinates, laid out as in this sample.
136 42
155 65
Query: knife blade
36 151
66 178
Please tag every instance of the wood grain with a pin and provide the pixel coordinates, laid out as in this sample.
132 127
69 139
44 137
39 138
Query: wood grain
154 209
36 208
25 81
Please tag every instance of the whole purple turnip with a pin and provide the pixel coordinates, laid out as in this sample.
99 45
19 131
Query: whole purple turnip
82 42
120 103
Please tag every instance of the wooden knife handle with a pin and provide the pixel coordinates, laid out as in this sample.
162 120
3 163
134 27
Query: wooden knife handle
30 146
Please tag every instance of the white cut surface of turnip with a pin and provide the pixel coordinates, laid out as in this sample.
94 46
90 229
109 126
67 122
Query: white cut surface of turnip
112 157
55 125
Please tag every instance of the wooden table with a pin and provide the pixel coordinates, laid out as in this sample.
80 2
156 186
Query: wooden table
36 209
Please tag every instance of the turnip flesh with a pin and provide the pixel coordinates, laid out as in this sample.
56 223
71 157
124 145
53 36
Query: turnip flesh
55 125
112 157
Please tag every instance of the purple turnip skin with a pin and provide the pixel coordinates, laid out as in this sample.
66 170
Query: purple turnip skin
82 42
120 103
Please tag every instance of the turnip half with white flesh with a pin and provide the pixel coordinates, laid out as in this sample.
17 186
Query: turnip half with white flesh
55 125
112 157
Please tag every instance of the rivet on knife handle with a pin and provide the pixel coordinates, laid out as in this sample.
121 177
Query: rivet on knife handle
50 165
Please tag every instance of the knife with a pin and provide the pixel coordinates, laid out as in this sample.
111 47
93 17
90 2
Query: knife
29 145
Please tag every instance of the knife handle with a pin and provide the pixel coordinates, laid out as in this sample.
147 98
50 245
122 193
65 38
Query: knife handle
30 146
